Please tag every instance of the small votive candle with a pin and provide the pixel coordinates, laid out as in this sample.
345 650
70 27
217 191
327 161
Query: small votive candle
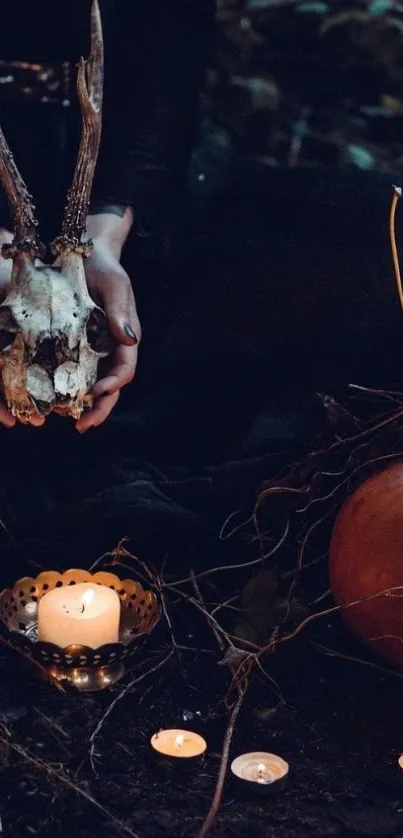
84 614
178 744
261 770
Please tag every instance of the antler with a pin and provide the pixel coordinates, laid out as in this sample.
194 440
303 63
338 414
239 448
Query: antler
89 90
22 208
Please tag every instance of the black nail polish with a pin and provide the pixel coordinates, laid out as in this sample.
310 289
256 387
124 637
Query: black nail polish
129 331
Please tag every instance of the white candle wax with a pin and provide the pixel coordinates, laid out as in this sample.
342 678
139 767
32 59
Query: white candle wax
84 614
178 743
260 767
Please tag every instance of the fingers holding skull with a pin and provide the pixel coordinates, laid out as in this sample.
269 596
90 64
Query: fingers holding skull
107 281
6 418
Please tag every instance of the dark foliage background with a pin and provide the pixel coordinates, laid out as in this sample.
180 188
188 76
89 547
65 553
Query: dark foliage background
308 82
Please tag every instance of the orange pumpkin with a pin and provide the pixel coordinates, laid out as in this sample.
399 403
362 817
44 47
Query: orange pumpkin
366 558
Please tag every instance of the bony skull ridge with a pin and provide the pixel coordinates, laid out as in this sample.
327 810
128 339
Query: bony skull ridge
52 334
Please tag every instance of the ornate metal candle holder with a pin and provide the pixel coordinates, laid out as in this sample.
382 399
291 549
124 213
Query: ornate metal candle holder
85 668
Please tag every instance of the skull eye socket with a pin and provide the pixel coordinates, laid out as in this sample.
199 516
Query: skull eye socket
6 339
8 328
98 334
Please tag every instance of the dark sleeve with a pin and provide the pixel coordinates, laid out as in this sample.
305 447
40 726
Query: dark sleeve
155 54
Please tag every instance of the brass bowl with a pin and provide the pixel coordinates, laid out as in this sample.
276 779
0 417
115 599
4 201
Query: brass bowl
87 669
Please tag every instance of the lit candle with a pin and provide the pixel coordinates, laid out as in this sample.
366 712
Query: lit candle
260 768
84 614
262 775
178 743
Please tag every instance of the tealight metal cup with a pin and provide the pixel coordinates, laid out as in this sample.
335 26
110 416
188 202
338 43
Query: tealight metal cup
245 773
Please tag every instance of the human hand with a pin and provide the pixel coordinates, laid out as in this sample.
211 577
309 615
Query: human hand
110 286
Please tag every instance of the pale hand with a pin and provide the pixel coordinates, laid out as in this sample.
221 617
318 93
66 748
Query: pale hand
110 286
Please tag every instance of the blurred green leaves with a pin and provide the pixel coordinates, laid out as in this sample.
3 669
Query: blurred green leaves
312 8
379 7
360 156
274 61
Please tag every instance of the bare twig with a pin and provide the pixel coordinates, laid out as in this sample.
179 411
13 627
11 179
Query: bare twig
61 777
51 722
212 623
216 801
333 653
240 566
35 665
133 683
333 610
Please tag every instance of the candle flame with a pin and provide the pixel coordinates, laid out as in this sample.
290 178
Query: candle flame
179 740
87 599
261 768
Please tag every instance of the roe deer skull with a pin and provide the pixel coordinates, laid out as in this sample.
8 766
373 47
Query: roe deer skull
52 334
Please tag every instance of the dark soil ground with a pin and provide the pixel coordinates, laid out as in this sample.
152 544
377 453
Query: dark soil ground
338 723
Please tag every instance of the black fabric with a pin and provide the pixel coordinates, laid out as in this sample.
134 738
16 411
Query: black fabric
155 53
280 286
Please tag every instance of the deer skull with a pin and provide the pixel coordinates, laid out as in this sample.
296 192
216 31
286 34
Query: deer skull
52 334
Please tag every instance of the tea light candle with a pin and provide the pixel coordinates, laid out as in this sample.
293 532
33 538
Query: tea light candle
260 768
178 743
84 614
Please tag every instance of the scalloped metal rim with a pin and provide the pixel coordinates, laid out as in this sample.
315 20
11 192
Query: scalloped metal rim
140 611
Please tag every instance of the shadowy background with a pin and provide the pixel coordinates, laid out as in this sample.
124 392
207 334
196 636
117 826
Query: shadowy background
307 83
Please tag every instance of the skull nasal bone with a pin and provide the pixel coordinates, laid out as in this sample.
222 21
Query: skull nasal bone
51 352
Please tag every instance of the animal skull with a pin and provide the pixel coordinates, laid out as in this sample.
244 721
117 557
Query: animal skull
52 334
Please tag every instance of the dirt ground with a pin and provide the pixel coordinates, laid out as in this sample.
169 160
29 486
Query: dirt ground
337 723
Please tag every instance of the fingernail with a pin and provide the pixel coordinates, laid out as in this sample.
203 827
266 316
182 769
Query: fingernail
129 331
83 430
